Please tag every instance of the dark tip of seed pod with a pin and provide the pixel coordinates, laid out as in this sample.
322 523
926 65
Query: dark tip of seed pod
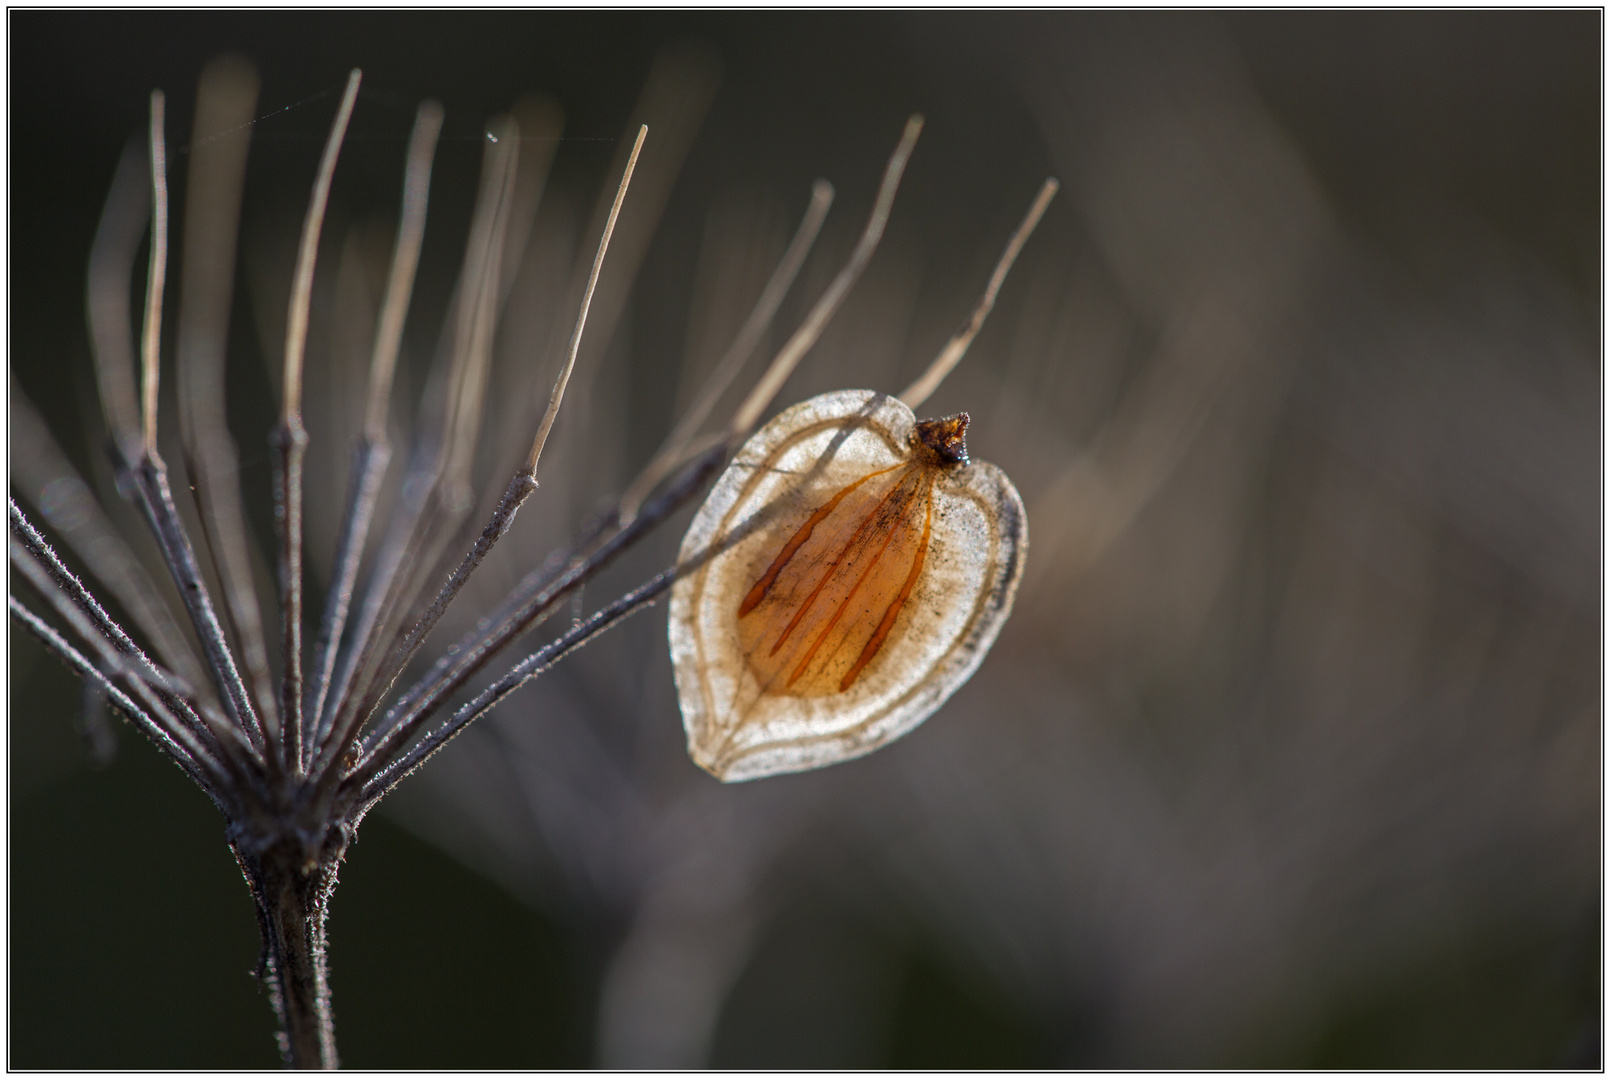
943 439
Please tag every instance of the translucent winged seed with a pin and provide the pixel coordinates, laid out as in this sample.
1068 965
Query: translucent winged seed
853 582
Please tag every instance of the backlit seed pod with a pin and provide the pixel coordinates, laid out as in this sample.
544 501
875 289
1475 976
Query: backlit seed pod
847 574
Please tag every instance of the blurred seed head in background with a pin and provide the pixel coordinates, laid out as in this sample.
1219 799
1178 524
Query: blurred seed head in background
1290 752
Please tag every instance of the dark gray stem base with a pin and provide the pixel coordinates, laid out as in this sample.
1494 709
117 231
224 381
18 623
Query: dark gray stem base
292 888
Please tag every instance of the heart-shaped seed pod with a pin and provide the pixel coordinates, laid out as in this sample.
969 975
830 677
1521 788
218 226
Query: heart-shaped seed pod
847 574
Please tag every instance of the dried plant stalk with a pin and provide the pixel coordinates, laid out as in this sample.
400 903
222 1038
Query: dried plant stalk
957 347
373 452
226 98
290 442
524 481
151 339
791 354
760 318
295 773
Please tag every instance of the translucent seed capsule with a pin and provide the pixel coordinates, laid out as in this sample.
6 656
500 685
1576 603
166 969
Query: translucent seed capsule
848 572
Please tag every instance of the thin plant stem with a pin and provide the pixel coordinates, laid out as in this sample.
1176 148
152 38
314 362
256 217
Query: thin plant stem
534 665
290 440
373 451
150 475
794 350
476 328
296 322
368 469
524 482
151 338
393 584
674 449
558 394
930 380
403 725
155 499
107 283
91 673
392 562
225 98
405 260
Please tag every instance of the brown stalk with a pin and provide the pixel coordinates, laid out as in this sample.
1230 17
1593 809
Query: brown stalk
111 268
151 337
373 452
810 330
675 449
225 99
149 476
43 474
524 482
290 440
930 380
199 733
394 584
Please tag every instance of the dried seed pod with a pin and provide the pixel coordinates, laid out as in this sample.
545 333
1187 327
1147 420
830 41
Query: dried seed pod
847 574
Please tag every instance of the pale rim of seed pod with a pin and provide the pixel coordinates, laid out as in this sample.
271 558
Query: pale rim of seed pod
739 730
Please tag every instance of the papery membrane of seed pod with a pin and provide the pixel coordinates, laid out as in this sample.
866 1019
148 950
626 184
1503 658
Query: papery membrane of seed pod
847 574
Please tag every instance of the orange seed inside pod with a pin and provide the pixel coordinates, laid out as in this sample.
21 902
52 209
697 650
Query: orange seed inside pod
832 597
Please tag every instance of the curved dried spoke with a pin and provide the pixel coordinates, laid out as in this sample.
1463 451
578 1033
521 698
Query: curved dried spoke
151 338
558 394
356 661
477 325
400 725
415 536
374 451
405 260
522 673
149 475
520 486
111 274
290 441
154 497
952 354
675 449
225 99
810 330
41 471
92 674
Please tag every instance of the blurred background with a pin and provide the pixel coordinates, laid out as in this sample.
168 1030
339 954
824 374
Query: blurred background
1290 754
